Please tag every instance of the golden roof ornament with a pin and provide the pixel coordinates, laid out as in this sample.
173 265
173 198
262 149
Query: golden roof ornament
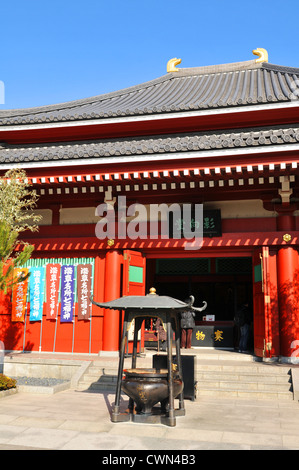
171 65
152 291
262 55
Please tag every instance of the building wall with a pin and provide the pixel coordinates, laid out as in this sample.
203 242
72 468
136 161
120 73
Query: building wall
88 336
79 336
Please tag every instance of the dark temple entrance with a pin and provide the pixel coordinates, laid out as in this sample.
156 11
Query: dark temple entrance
224 283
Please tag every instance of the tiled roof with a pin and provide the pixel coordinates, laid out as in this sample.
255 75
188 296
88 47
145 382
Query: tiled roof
145 146
237 84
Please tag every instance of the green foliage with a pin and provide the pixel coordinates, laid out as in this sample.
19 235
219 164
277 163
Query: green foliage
17 202
6 382
9 257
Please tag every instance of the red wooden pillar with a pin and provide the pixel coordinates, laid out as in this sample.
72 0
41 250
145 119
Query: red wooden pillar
97 312
112 290
265 303
288 290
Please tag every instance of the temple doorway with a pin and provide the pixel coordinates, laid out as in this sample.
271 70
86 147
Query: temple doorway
225 283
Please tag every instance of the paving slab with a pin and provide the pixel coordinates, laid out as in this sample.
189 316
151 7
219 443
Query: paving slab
79 420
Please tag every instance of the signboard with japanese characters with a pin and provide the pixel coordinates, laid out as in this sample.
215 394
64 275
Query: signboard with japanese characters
36 293
19 296
220 336
67 293
52 290
84 275
211 224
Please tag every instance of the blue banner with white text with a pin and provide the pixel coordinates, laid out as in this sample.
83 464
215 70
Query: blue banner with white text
36 293
67 293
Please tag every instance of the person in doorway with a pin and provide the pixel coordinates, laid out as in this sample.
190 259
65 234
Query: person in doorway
187 325
161 335
188 321
242 321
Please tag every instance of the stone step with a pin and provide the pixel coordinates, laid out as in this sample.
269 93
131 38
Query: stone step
97 387
242 385
257 368
102 384
272 381
96 371
251 394
107 378
242 377
216 373
203 390
227 356
203 368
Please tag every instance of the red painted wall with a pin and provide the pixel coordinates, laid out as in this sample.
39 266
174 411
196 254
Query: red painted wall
82 336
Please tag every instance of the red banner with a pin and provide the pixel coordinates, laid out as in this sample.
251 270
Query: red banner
19 296
84 274
52 290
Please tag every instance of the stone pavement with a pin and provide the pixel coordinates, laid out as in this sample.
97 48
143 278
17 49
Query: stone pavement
72 420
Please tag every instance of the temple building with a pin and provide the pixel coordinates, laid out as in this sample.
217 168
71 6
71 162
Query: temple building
224 138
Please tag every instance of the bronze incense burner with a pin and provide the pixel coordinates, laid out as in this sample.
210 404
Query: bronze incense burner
147 387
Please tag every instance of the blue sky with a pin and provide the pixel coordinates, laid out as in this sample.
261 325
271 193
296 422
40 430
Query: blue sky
54 51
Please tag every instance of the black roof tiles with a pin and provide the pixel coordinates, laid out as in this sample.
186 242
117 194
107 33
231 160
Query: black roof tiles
132 147
219 86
